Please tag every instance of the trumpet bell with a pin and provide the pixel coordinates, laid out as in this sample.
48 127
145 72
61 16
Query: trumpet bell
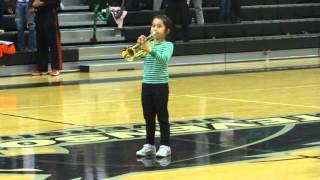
128 53
133 52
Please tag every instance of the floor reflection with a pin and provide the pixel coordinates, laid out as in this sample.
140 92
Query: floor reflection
98 160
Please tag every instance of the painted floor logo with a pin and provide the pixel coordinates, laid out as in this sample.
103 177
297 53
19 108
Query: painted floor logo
137 131
107 147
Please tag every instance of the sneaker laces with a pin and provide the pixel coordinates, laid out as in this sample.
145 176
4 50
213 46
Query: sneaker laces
147 147
163 149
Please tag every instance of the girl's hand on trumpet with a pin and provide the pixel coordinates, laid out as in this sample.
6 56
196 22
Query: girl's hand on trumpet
143 45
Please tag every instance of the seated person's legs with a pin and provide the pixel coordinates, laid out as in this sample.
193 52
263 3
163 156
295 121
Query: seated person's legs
199 12
157 5
32 32
20 20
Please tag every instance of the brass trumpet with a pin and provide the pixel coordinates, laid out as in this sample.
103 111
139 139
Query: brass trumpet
133 52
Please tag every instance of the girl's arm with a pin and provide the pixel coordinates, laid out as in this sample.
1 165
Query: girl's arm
162 57
165 55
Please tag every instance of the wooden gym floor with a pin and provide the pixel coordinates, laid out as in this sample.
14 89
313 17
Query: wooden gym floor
64 127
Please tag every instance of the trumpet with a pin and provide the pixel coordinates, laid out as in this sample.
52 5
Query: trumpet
133 52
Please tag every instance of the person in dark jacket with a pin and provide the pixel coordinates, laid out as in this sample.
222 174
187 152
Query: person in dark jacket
178 10
48 37
236 6
229 11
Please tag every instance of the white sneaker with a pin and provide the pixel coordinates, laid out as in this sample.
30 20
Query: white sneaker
147 150
164 151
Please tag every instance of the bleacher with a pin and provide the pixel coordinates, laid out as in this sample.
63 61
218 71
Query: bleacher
267 25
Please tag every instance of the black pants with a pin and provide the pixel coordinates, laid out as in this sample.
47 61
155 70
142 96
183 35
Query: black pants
132 5
48 40
1 12
155 104
236 8
178 11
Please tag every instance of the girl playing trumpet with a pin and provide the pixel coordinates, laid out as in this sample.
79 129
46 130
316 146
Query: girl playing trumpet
155 89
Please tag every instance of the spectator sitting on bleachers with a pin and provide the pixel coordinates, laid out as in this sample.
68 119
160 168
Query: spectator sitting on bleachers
25 17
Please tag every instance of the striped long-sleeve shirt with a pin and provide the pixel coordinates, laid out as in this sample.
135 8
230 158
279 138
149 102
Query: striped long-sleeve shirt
156 63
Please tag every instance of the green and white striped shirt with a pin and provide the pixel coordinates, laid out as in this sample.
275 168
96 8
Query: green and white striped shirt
156 63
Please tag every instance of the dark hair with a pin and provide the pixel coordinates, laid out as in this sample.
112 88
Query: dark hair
166 21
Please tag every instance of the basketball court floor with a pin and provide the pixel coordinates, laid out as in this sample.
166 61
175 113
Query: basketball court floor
81 126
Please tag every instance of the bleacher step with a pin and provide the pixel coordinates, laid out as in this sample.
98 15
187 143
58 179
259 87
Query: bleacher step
84 35
73 2
76 8
67 19
223 58
101 52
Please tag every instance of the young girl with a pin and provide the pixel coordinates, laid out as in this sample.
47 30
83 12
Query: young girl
155 89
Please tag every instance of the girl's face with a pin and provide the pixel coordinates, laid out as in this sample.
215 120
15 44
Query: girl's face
159 28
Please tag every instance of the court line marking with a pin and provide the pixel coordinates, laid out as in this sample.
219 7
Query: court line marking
82 103
21 170
259 89
39 119
252 101
138 99
190 95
